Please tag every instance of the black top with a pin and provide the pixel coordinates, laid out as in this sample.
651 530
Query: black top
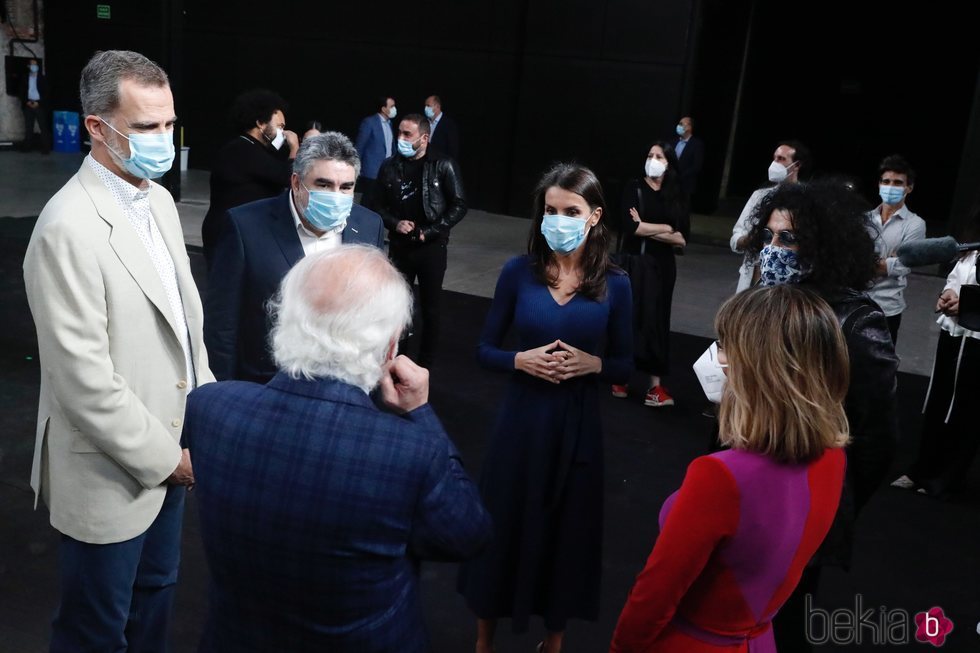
244 170
410 191
445 139
653 209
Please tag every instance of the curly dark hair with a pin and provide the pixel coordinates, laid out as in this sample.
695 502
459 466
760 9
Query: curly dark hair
255 106
830 223
595 260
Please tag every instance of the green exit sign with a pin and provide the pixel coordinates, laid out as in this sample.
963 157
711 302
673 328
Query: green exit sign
103 11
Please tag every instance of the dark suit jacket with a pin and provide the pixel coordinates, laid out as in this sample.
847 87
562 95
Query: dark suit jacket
257 248
42 89
315 509
689 164
370 144
244 170
445 140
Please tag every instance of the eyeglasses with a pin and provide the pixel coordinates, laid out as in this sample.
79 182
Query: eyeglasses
786 238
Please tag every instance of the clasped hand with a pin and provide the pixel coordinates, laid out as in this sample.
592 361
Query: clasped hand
557 362
949 303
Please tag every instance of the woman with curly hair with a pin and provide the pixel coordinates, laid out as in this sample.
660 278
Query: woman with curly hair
814 234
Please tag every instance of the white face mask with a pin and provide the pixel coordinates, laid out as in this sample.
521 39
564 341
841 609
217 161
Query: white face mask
711 374
279 139
778 172
655 168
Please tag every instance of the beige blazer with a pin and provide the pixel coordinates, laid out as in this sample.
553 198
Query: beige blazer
113 377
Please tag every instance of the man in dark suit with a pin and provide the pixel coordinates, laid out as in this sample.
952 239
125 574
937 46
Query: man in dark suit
690 156
33 95
254 165
374 142
316 505
444 136
262 240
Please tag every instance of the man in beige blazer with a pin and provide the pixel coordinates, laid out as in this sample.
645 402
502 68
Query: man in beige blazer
119 328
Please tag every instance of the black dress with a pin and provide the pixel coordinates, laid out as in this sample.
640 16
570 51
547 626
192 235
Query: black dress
542 479
653 271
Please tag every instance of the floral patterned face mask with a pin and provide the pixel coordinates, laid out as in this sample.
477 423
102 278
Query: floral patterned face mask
778 265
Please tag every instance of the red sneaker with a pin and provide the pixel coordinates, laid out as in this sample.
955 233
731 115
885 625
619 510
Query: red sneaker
657 396
620 391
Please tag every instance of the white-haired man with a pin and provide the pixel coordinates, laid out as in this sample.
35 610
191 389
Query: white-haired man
316 505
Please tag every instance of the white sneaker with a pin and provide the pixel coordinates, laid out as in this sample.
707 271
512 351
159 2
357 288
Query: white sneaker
904 482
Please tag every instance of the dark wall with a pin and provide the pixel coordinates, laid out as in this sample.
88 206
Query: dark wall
529 81
536 81
856 83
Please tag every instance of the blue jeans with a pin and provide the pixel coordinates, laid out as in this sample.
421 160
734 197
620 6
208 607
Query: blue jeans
118 597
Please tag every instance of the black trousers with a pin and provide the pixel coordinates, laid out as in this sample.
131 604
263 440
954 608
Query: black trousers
894 321
947 449
38 115
427 263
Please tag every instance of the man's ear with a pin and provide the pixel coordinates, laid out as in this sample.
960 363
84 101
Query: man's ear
95 128
392 349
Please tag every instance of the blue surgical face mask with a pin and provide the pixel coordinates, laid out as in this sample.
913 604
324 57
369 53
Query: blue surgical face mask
430 113
564 234
891 194
679 129
327 210
779 265
406 149
34 67
151 155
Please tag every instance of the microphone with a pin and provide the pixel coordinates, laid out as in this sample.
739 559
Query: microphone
932 250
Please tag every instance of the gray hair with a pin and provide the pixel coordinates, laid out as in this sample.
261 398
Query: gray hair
99 88
329 146
336 314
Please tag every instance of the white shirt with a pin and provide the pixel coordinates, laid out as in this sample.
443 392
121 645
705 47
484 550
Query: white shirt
386 130
741 229
310 241
433 124
32 93
902 227
964 272
135 205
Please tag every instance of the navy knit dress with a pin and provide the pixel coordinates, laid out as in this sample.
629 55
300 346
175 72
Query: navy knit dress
542 479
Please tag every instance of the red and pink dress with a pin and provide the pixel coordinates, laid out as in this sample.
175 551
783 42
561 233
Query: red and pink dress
733 543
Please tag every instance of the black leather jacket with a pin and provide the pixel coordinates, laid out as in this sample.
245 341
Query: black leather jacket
443 198
872 412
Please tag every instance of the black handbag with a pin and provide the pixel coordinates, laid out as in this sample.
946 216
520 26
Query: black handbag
969 317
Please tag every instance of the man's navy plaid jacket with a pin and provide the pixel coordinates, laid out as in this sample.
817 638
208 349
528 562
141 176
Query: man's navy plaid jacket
315 508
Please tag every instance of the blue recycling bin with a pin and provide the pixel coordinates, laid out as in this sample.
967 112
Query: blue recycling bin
66 128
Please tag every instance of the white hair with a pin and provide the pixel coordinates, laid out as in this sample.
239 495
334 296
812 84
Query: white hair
337 313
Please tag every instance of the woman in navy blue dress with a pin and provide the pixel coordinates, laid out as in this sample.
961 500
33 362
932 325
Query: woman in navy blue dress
542 478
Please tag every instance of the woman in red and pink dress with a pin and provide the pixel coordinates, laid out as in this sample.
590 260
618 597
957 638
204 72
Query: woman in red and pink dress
735 538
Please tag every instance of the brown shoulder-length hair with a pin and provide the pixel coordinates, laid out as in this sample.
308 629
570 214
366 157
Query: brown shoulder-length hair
788 374
580 180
